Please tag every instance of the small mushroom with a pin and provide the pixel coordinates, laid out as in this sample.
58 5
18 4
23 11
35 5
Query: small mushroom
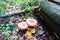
28 33
33 30
22 26
31 22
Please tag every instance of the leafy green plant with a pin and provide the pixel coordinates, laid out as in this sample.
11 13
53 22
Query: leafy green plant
5 28
28 8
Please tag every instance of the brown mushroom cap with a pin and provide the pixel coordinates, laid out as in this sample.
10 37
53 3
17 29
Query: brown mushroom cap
31 22
22 25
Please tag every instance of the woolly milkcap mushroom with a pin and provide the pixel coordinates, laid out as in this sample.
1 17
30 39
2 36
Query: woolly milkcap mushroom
22 26
31 22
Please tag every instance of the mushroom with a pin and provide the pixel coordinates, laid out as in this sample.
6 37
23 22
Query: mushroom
22 26
28 33
31 22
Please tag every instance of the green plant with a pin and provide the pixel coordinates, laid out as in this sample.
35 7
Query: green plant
25 5
28 8
5 28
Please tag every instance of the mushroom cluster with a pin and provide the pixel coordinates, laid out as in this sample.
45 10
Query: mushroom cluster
31 22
